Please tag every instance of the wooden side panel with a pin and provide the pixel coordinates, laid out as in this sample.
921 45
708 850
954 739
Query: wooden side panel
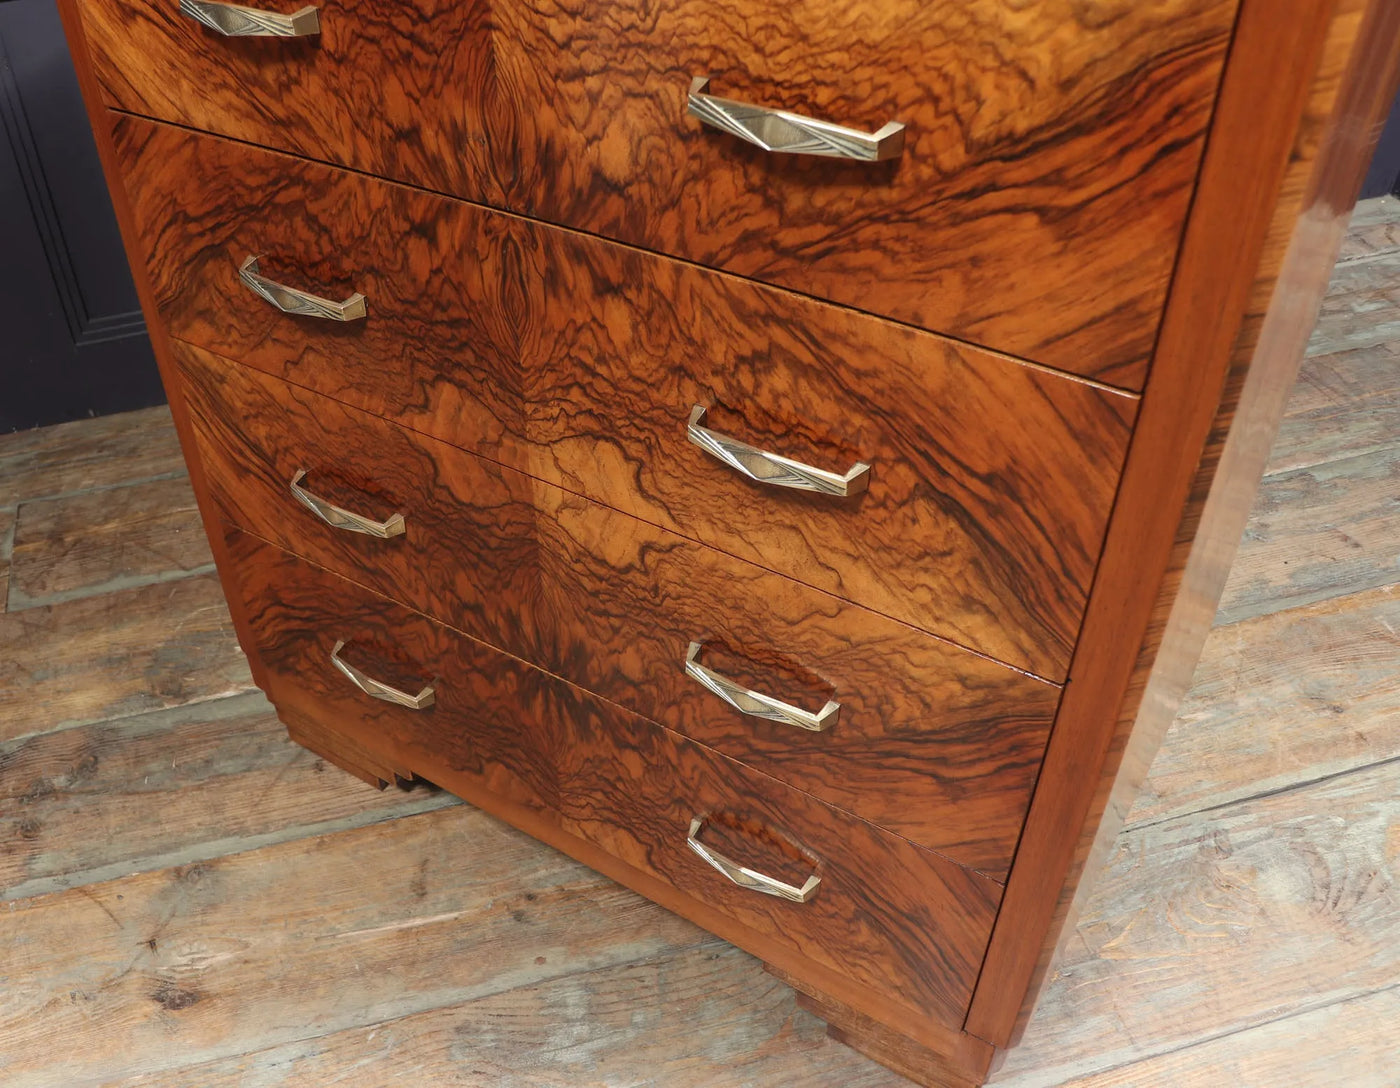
136 255
1277 186
888 917
579 361
931 742
1037 207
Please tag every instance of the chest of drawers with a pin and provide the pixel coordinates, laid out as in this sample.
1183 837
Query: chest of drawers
784 455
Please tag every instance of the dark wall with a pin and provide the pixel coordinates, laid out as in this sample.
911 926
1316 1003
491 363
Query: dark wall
72 340
1384 175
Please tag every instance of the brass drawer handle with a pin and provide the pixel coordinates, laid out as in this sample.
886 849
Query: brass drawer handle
744 876
754 703
236 21
374 688
791 133
342 518
290 300
773 468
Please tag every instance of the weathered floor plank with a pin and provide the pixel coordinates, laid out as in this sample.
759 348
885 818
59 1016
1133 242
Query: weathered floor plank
88 454
1362 307
1374 229
7 532
707 1017
1318 533
1280 700
301 940
170 788
121 653
95 542
1223 921
1344 405
1352 1043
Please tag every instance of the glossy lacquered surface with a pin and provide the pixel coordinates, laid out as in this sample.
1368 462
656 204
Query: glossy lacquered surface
1037 205
931 742
580 362
887 916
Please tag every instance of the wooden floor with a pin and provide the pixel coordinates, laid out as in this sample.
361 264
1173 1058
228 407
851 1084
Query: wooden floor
191 900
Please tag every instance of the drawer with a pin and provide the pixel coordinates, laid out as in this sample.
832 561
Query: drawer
932 742
886 915
1048 159
579 362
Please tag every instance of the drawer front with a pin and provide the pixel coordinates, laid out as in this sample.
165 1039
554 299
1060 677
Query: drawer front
579 362
886 915
1048 157
929 741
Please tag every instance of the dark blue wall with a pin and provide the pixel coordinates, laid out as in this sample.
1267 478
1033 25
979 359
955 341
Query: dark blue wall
1384 175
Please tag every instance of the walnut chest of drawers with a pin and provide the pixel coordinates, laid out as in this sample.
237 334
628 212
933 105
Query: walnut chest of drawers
783 454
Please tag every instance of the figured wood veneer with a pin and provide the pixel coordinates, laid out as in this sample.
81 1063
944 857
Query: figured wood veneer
932 742
1049 226
1050 148
888 916
578 361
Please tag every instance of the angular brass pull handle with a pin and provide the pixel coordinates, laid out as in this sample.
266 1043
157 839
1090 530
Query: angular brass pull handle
342 518
374 688
754 703
236 21
290 300
744 876
773 468
791 133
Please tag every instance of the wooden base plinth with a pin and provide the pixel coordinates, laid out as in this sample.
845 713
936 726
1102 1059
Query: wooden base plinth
341 750
965 1062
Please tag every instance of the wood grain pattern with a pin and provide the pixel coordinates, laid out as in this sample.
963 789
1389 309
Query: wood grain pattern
1037 208
1255 722
204 961
889 917
698 1018
578 362
81 805
1296 893
1276 188
117 654
933 743
1351 1043
87 455
124 536
966 234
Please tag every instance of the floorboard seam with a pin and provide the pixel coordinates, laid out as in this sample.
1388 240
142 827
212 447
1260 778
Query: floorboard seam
96 490
1232 618
21 602
85 723
1360 995
708 941
219 849
1264 795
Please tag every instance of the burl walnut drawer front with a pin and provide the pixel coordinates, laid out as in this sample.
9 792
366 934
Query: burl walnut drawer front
1032 200
581 362
883 914
868 714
